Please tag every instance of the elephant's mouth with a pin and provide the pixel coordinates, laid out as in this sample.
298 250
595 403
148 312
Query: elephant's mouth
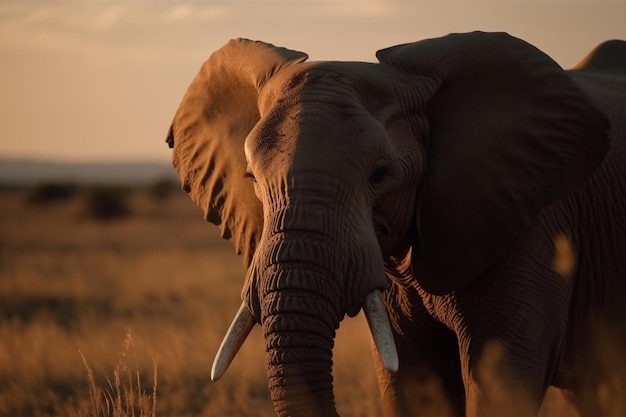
377 321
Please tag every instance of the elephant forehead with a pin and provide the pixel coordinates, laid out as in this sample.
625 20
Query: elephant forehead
337 91
313 116
312 131
319 99
309 83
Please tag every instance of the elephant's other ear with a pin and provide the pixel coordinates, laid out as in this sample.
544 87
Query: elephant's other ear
509 133
208 132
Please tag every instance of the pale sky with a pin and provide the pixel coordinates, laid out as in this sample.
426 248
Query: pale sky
100 80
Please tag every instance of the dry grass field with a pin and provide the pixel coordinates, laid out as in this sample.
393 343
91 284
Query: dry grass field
97 315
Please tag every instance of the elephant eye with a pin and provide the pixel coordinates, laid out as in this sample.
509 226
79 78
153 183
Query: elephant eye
250 175
379 173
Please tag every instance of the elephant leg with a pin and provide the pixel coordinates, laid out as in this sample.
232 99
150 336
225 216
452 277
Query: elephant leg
428 381
511 325
423 387
597 368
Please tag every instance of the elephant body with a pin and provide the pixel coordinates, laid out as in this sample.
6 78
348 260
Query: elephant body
577 307
472 181
571 336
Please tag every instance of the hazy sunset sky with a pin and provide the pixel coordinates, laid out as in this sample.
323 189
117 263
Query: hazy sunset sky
100 80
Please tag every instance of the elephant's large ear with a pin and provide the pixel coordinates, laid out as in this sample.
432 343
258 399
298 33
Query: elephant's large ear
208 132
509 133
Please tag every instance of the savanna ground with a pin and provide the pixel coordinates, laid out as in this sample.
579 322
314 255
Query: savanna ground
97 314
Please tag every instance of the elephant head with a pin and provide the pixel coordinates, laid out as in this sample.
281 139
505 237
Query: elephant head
327 174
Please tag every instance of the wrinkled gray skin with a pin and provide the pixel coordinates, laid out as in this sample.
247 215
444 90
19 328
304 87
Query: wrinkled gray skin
470 177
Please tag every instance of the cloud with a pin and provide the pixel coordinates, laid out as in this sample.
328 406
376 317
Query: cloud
356 8
108 18
178 12
98 30
209 13
188 12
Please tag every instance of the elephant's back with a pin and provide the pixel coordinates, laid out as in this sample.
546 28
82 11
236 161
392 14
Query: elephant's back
608 93
608 57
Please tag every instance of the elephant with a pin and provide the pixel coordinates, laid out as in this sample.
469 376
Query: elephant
466 192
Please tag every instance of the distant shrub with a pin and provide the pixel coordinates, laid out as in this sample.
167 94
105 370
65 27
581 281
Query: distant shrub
162 189
104 202
49 192
10 188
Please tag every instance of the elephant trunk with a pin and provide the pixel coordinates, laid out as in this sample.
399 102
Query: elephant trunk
299 326
299 288
299 354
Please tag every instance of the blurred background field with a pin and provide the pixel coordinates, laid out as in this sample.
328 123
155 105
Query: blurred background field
110 280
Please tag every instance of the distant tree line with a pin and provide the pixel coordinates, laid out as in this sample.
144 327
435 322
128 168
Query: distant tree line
98 201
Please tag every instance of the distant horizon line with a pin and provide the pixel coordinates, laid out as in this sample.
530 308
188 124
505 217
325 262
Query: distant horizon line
31 171
85 160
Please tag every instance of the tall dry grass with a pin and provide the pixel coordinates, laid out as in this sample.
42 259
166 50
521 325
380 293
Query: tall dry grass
124 396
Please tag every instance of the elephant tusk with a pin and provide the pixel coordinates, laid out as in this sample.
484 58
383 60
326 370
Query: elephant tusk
380 329
235 336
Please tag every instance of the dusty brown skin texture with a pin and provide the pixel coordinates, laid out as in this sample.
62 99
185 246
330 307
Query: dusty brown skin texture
470 177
